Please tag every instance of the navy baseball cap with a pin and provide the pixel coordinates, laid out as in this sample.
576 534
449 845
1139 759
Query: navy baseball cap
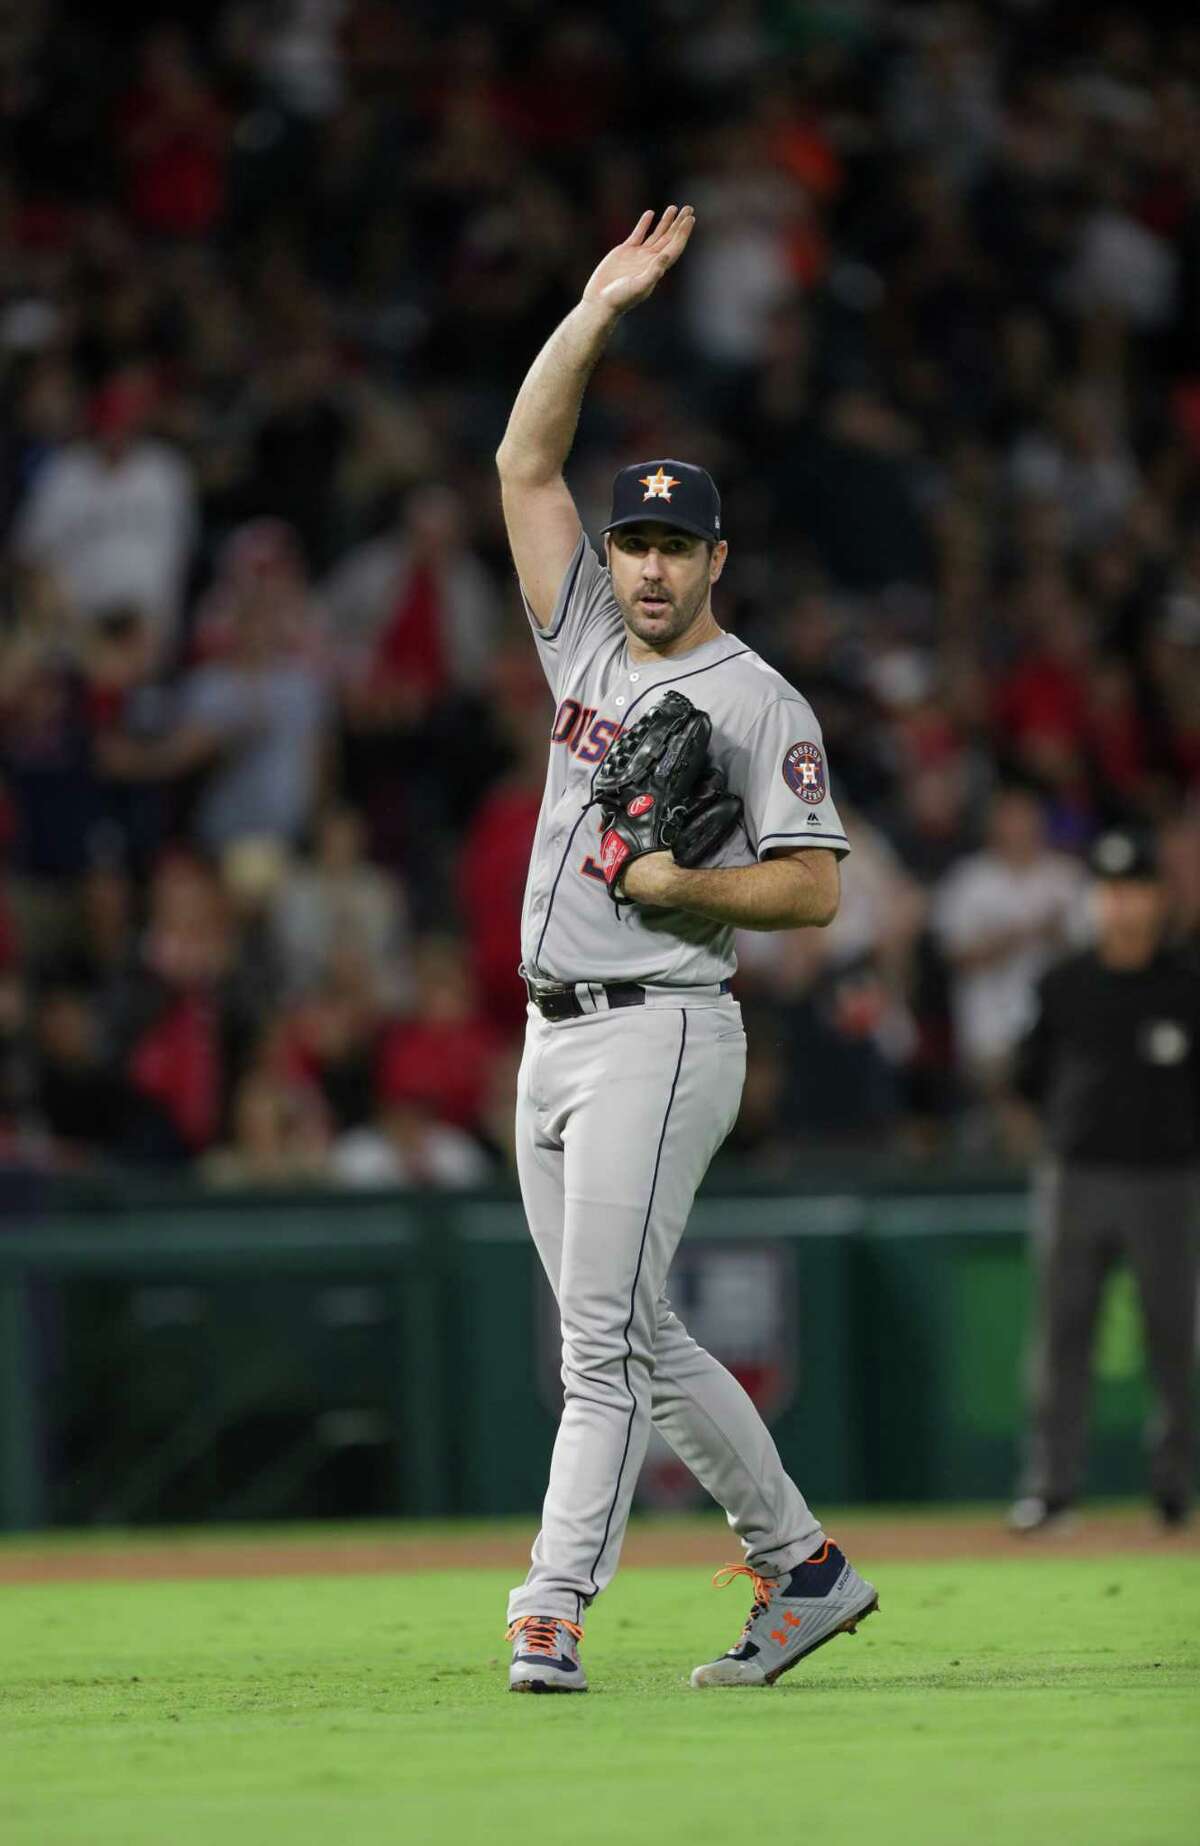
672 493
1125 852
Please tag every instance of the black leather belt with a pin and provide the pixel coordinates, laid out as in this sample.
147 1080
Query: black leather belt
555 1001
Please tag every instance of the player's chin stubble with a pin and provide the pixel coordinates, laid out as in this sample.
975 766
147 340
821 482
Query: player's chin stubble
662 628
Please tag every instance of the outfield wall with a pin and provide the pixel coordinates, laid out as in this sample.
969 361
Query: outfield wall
169 1360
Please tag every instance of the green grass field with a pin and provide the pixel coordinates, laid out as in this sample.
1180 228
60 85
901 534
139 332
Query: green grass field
1047 1698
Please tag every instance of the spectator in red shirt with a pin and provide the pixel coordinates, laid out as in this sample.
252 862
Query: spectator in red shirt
1044 700
1117 736
332 1035
495 853
178 1021
1043 720
441 1054
492 885
414 614
173 137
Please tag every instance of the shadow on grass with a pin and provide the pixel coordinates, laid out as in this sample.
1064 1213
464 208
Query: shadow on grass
1055 1676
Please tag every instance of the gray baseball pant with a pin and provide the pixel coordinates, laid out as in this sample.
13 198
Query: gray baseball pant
1087 1219
618 1116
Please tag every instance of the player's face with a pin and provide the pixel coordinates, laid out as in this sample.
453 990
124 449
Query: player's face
661 578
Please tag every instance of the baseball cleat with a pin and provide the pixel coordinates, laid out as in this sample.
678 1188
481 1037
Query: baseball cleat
1035 1514
792 1616
1173 1512
545 1656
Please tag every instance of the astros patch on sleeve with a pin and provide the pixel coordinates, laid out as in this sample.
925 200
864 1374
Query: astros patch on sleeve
788 803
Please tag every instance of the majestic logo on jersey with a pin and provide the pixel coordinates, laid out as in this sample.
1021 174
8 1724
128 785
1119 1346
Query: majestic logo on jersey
658 485
641 804
804 772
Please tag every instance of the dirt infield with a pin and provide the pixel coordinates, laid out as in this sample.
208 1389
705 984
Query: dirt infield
663 1542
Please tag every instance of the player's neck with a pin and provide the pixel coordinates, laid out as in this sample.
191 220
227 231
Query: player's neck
697 634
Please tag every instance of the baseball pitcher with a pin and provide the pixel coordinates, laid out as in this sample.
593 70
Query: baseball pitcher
687 795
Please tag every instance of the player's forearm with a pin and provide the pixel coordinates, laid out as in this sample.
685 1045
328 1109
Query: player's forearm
542 425
776 894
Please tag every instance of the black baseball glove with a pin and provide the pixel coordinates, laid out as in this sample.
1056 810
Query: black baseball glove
710 817
657 792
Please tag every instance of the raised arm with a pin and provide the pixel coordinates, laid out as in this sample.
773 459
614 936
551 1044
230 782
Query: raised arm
543 525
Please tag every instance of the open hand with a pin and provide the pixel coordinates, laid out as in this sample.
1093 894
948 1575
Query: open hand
631 272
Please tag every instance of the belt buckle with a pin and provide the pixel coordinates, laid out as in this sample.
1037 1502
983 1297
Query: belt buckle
550 997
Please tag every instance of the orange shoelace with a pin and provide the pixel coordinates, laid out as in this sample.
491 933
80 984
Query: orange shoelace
539 1633
762 1590
762 1585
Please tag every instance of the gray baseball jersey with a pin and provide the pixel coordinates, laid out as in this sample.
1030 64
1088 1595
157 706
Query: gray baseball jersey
764 736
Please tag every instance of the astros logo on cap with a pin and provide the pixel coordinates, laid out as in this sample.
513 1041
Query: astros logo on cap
658 486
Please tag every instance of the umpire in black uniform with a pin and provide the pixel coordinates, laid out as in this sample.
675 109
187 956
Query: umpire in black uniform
1113 1063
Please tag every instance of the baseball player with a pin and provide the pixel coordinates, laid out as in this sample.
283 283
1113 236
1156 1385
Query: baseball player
687 796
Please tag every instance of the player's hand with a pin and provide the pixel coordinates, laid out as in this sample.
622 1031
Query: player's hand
653 878
632 272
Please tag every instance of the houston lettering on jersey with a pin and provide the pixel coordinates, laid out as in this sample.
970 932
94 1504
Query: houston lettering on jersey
585 735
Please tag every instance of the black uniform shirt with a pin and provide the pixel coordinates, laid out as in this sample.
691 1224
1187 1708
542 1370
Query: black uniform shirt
1114 1060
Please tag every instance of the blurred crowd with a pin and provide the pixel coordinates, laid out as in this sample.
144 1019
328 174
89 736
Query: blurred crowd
269 722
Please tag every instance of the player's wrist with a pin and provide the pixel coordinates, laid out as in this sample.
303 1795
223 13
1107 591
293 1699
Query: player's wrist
599 315
652 878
